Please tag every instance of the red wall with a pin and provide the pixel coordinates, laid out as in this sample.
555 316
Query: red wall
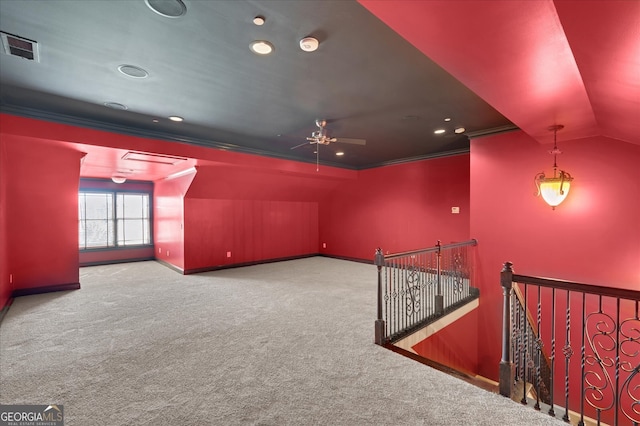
454 345
168 219
250 230
41 202
593 237
5 286
398 208
254 214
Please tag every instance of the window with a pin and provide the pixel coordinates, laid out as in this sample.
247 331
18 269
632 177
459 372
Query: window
110 219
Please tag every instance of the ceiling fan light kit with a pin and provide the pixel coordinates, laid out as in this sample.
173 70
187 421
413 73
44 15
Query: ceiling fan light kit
319 137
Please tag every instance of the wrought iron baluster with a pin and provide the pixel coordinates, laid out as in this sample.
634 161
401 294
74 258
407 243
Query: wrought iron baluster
421 287
387 281
452 275
553 350
445 272
539 352
630 338
410 300
515 354
517 336
617 368
403 294
524 352
387 296
582 358
434 282
602 344
567 351
394 298
398 295
402 297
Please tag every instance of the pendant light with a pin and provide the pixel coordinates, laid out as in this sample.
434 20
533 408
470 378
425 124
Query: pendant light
554 189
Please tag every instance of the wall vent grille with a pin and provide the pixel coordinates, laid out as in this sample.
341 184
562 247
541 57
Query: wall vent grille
19 46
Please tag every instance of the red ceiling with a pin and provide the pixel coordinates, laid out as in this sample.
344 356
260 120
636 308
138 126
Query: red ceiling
539 62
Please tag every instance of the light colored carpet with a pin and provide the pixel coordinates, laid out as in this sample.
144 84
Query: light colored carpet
288 343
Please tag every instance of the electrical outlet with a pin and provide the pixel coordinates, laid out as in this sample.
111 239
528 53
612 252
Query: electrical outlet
159 250
167 253
455 210
228 254
10 278
324 245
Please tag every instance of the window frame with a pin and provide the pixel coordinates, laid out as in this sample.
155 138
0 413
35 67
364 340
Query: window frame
115 220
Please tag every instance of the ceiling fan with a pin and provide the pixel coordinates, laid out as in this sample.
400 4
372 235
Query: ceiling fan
319 137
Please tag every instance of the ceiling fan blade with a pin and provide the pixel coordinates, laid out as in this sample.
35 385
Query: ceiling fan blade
311 142
302 144
351 141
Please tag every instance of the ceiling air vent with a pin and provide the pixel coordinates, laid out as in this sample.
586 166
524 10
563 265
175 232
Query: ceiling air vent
152 158
20 46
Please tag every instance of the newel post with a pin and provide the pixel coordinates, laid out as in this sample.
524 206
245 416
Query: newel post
380 326
506 364
439 300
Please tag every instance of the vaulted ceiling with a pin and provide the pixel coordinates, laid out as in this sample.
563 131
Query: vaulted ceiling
540 62
388 72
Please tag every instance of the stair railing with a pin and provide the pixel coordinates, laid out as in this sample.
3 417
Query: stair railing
418 286
532 354
600 325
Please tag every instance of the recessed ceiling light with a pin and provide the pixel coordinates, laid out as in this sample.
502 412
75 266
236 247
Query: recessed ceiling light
261 47
258 20
175 118
118 179
155 120
133 71
459 130
115 105
167 8
339 153
309 44
447 119
439 131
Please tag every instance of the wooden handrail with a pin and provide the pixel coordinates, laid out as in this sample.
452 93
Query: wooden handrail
579 287
471 242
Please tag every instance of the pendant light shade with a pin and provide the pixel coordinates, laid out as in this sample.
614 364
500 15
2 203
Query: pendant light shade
554 189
